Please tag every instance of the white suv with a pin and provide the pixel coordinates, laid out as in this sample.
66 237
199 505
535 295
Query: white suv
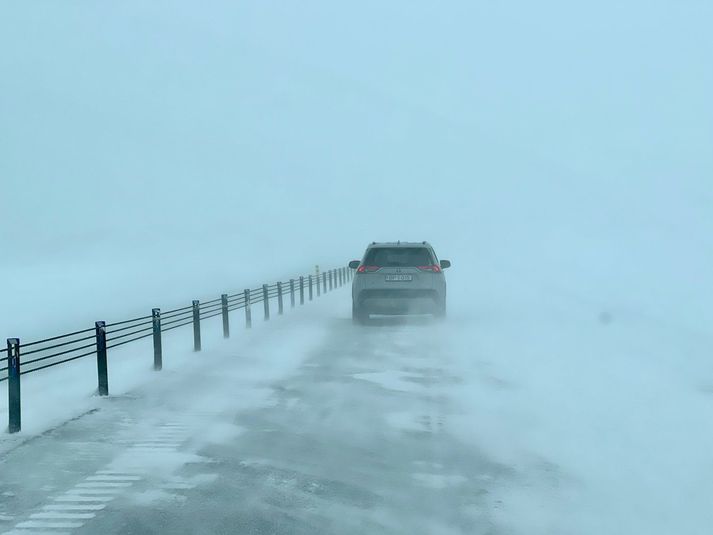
398 278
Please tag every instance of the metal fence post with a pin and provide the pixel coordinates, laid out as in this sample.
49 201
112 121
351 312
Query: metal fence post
279 299
157 349
331 281
13 386
316 280
226 320
292 293
341 277
196 325
265 302
102 372
310 286
248 314
302 290
324 281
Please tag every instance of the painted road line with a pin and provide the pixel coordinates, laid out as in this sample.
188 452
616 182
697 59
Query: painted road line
41 524
34 532
78 499
62 516
90 492
102 485
153 450
176 486
108 478
158 441
127 472
68 507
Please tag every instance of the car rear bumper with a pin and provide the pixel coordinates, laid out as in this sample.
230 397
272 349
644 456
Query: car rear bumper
391 302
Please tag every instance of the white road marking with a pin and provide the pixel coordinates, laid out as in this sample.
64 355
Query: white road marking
62 516
153 438
108 478
34 532
91 492
102 485
62 507
152 450
176 486
127 472
83 498
49 525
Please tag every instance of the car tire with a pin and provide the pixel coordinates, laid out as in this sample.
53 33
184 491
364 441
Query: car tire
359 317
440 311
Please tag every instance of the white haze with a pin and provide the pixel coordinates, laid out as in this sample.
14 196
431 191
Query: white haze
558 153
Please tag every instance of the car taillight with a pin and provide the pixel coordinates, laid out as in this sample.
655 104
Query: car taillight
435 268
362 269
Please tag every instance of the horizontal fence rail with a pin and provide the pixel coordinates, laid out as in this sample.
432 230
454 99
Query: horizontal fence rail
97 341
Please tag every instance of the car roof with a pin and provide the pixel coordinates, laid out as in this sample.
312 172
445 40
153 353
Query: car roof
375 245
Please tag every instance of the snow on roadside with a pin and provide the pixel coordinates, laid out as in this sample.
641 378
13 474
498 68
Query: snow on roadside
603 420
267 352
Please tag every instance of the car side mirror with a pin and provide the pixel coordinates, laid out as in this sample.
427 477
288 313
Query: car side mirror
445 264
354 264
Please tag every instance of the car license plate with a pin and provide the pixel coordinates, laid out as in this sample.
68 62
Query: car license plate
399 278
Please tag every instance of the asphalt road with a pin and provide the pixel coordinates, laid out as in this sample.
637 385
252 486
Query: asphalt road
356 439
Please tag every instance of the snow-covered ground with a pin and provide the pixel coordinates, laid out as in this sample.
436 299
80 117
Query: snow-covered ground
601 417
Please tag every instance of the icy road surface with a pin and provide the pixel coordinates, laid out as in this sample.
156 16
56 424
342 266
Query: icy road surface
355 440
500 422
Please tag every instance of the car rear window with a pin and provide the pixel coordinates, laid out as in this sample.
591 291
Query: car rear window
399 257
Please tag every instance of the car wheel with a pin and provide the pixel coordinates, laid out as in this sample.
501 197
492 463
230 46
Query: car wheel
359 317
440 311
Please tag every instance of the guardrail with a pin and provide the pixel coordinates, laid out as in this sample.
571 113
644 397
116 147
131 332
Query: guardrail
101 338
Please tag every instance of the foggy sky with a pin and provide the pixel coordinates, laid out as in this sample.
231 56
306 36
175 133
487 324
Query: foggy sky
567 142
